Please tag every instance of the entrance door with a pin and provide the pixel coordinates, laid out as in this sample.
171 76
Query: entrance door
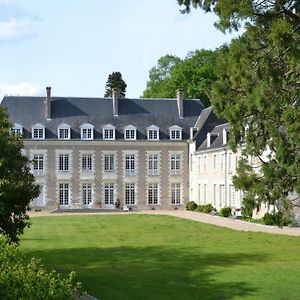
109 195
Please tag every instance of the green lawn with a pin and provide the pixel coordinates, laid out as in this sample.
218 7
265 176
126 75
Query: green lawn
160 257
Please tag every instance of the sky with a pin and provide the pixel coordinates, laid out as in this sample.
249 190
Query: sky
73 45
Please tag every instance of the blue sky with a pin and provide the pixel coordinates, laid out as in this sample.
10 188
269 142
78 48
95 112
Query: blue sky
73 45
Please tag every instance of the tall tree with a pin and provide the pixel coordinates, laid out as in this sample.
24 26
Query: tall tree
258 92
115 81
194 74
17 184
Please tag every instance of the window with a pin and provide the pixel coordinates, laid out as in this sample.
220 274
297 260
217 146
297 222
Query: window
38 132
204 193
87 131
64 194
153 164
109 163
86 162
40 200
153 193
204 163
17 129
222 162
175 164
175 132
153 133
199 193
109 193
130 133
232 195
176 193
130 164
38 164
199 164
64 162
215 162
222 195
109 132
215 194
64 132
129 193
86 193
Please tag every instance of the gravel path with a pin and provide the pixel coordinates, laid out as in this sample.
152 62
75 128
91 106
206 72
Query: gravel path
199 217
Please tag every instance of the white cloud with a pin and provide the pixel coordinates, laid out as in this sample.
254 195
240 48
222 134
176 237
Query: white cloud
22 89
7 2
14 29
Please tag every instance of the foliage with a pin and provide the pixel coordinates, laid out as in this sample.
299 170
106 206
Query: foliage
115 81
258 92
17 184
194 74
191 205
277 218
206 209
24 278
225 212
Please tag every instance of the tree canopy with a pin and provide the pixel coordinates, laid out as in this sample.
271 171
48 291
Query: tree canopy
115 81
258 92
17 184
194 74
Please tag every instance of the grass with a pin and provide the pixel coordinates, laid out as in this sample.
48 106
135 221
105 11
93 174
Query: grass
161 257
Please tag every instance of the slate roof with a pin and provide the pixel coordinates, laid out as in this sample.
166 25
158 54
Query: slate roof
141 113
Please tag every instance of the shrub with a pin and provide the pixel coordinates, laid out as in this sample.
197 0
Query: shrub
225 212
24 278
206 209
276 219
191 205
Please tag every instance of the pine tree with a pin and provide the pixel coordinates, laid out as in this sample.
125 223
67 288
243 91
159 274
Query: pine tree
115 81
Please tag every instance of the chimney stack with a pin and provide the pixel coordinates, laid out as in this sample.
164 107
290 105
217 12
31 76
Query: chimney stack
48 103
179 97
115 97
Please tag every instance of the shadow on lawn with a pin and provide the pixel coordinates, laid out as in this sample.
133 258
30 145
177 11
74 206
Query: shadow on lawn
152 272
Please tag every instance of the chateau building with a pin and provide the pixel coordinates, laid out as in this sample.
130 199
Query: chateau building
94 152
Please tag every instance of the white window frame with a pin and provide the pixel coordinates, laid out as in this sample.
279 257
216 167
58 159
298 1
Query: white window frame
153 193
109 132
87 131
130 193
64 132
17 129
64 193
130 164
175 133
38 164
152 133
40 130
175 164
176 193
153 164
130 133
64 162
87 193
87 162
109 162
109 193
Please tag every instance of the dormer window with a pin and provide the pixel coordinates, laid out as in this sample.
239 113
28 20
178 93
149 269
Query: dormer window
130 133
153 133
175 133
109 132
38 132
17 129
87 131
64 132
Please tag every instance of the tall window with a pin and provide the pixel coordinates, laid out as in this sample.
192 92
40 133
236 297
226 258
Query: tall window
86 162
109 163
204 193
129 193
176 193
153 164
215 194
222 162
153 193
87 131
199 193
232 195
109 132
222 195
64 162
64 194
86 193
199 164
204 163
38 164
130 164
130 133
175 164
153 133
109 193
215 162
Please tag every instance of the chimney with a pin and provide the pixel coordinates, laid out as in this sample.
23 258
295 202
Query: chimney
48 103
224 136
115 96
208 139
179 97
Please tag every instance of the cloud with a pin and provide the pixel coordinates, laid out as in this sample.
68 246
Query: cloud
7 2
14 29
22 89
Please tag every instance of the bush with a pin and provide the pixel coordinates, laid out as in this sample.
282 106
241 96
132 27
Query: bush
225 212
277 219
206 209
191 205
24 278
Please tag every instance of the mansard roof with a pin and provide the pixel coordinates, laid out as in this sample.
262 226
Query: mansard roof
140 113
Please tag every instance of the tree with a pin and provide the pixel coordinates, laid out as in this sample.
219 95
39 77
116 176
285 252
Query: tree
194 74
258 92
17 184
115 81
